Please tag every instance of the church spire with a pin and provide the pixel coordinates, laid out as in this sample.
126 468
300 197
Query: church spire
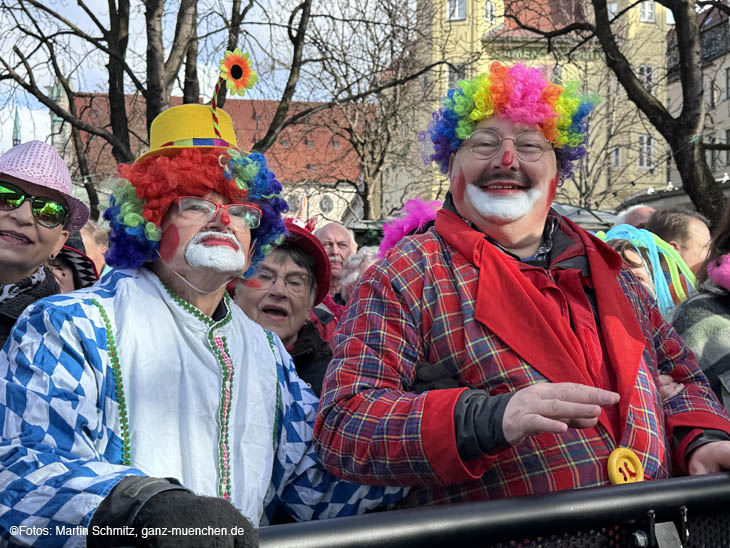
16 128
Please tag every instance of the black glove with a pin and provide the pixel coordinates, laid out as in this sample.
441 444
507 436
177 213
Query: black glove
141 512
218 521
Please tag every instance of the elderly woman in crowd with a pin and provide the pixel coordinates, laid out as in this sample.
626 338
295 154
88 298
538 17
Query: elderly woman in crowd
37 212
288 282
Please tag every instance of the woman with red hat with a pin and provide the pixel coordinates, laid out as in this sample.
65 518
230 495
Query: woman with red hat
287 284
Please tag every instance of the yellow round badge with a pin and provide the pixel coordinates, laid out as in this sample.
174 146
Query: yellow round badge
624 466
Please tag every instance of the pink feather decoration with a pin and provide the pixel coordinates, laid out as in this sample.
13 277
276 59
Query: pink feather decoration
416 213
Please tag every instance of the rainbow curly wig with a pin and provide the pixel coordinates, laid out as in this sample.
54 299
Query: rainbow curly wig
153 184
520 94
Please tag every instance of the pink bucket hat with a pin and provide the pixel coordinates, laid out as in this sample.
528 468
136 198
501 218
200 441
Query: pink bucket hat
38 163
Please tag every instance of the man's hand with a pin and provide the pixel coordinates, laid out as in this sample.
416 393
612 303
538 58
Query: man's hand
553 407
710 458
668 388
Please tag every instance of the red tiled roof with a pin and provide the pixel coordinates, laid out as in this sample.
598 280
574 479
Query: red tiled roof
301 153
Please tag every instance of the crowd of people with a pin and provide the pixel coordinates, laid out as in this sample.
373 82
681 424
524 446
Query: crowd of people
209 362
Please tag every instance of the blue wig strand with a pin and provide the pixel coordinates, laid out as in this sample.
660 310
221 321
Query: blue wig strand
657 249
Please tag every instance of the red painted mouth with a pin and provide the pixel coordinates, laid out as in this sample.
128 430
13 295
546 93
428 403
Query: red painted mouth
213 242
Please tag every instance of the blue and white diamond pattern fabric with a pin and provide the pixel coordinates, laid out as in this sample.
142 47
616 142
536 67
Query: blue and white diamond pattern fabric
60 429
299 481
59 453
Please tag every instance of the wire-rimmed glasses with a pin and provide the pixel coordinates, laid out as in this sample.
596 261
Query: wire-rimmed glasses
529 146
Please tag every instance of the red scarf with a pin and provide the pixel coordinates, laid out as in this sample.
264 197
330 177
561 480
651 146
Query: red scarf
532 325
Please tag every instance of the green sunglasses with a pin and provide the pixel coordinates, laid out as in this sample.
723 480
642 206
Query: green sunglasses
47 211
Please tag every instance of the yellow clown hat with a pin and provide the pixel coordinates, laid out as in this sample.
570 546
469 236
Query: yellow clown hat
187 126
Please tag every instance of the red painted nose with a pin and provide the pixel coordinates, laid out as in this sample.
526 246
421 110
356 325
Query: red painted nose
507 158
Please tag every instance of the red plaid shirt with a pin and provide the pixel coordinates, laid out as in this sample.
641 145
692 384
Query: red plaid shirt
417 307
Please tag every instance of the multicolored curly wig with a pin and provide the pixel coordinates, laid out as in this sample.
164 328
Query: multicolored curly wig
520 94
152 185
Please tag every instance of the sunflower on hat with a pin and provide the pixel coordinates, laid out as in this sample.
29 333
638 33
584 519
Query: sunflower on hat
235 69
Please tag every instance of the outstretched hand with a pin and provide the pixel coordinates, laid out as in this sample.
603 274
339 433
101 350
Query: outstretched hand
553 407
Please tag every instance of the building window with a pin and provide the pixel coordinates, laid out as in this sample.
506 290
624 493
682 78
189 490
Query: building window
489 13
615 157
335 143
456 73
712 94
309 142
284 142
326 204
727 83
646 151
727 142
457 10
646 77
646 11
612 10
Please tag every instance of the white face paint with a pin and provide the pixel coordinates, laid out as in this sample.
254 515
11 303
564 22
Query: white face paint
506 208
220 257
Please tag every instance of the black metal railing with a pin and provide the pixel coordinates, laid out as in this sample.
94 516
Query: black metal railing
687 512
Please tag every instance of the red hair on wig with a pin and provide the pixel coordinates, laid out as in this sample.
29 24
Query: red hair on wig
160 180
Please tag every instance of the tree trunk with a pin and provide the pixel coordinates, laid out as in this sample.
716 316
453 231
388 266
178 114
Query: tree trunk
84 172
297 40
118 39
697 179
191 88
161 73
155 60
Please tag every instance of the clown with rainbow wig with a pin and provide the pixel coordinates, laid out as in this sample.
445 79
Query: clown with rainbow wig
150 400
504 350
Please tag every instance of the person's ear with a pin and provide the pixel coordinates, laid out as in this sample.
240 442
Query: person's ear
62 237
311 299
674 244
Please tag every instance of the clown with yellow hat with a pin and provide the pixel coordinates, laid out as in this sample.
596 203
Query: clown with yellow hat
153 401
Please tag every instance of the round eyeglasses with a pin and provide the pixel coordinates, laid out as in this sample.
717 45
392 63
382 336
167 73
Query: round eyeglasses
46 211
203 210
529 146
296 283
